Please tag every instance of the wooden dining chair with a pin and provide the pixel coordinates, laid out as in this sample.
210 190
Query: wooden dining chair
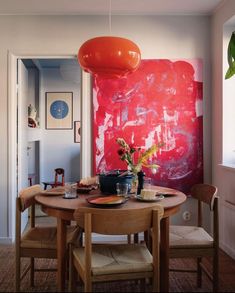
36 241
110 262
58 181
195 241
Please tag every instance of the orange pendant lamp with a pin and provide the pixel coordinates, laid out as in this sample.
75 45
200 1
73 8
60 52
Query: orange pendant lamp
109 57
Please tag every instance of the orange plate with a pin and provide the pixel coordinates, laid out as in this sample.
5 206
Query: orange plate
107 201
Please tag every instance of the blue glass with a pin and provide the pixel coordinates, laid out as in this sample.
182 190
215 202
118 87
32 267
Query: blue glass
59 109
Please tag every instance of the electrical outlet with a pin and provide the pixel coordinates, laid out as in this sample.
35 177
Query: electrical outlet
186 216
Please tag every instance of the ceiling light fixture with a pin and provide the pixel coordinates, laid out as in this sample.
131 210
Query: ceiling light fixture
108 56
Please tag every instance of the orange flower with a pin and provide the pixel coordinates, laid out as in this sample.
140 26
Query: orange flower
126 153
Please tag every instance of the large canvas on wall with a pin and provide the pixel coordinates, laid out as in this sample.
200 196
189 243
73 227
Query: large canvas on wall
160 102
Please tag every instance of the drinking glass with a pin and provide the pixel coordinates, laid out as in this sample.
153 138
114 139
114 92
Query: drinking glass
70 190
122 189
147 183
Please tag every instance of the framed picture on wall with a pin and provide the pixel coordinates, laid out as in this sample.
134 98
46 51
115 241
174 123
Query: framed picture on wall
59 110
77 131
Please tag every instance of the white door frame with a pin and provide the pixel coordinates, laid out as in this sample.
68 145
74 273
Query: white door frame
85 166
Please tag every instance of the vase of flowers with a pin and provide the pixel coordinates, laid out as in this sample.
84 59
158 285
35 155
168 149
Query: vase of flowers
136 158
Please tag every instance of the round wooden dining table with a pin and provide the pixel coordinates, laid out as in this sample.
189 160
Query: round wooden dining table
63 209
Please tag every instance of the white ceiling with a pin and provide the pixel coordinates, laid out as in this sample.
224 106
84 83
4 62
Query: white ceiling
101 7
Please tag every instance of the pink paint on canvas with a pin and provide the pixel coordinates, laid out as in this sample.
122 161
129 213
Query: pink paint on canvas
159 103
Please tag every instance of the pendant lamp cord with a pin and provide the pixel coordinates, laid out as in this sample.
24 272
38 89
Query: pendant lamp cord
110 22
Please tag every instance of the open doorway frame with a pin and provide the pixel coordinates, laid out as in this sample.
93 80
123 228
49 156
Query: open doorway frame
85 166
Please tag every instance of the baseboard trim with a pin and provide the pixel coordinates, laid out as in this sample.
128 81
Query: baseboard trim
6 240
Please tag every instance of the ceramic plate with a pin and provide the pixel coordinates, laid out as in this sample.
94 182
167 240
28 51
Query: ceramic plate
107 201
165 194
157 198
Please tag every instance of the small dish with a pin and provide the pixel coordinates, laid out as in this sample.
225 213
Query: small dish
70 197
157 198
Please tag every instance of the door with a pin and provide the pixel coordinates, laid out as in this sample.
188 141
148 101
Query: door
22 132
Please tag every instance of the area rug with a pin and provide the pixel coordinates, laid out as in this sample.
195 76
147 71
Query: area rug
46 281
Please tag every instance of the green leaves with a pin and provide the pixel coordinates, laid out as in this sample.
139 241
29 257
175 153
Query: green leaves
231 71
231 57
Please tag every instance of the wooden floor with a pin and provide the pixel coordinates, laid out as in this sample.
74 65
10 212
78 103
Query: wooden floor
179 282
227 270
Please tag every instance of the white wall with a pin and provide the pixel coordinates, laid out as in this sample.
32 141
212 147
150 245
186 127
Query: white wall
157 36
58 149
222 177
33 146
228 103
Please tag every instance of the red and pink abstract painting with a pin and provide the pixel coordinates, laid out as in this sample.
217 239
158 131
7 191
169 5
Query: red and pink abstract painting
159 103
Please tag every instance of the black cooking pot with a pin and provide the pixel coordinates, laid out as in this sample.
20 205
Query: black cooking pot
109 180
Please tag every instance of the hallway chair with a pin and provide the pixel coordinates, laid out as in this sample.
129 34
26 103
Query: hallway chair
194 241
59 172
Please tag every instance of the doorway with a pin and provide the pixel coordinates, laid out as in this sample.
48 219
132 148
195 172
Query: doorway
54 82
35 147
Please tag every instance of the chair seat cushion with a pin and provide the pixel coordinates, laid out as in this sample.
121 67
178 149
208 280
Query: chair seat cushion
117 258
46 237
183 236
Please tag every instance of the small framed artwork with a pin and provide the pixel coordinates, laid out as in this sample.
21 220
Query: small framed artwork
77 131
59 110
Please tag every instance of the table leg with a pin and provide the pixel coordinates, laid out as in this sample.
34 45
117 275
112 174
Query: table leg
61 254
164 255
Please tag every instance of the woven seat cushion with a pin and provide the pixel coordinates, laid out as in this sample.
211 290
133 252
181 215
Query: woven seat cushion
183 236
45 237
117 258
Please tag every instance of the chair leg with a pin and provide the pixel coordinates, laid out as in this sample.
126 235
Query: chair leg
17 272
136 238
142 285
155 281
216 272
31 271
87 284
72 273
199 272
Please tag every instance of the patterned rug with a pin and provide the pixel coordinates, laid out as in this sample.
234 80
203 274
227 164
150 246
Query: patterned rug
46 281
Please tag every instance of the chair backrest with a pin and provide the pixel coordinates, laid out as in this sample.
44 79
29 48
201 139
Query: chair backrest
117 221
206 193
25 200
59 172
26 196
